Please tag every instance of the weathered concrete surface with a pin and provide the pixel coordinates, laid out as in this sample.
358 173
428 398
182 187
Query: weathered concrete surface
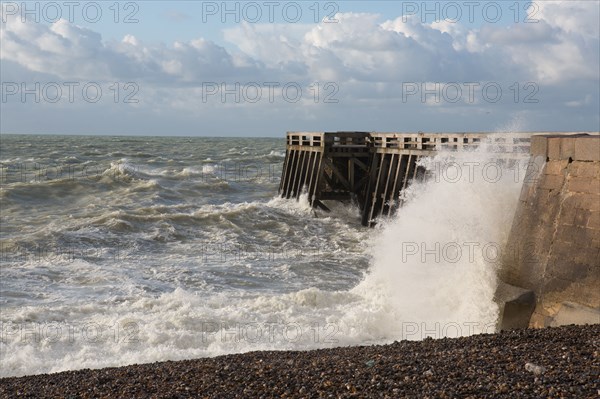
554 244
573 313
516 306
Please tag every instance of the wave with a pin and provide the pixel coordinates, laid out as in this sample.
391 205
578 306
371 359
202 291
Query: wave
176 325
436 261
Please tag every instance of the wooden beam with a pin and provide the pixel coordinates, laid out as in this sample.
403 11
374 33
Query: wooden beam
336 172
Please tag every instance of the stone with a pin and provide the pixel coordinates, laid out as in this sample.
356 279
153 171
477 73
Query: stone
594 220
586 169
539 146
581 217
516 306
587 148
574 313
567 215
567 148
584 185
556 167
589 201
552 182
554 148
572 234
566 270
535 369
556 284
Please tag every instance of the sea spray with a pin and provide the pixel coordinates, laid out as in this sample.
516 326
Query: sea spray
434 264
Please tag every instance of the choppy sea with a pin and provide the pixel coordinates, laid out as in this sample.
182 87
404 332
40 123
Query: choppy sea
122 250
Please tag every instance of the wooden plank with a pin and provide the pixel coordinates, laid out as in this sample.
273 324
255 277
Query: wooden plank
389 175
416 168
384 194
295 175
319 204
376 191
336 196
312 177
328 179
351 173
283 170
405 182
302 179
401 158
319 173
290 182
368 198
336 172
361 164
298 178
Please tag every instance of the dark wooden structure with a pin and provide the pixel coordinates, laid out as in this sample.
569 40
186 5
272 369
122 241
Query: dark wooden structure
370 169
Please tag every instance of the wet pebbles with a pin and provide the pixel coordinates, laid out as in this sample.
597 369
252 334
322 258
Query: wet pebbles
551 362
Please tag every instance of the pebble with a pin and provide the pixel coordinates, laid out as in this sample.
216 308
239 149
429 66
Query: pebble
535 369
481 366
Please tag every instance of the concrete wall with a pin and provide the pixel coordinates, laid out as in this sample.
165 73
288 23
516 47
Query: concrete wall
554 244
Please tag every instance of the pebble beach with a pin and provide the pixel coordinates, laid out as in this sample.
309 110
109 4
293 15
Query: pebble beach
560 362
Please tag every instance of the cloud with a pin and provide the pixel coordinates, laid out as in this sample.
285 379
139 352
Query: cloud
369 59
358 47
73 52
578 18
60 48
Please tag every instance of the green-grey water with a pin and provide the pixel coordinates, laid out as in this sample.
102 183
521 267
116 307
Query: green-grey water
121 250
103 234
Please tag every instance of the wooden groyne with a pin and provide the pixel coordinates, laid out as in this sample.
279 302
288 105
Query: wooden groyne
371 169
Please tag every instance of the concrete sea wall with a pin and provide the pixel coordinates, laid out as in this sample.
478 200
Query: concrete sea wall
552 261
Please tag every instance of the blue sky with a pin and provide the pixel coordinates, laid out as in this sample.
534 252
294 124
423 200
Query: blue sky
187 20
228 68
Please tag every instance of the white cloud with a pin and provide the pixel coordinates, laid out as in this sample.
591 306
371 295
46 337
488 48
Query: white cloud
573 17
367 58
130 39
358 47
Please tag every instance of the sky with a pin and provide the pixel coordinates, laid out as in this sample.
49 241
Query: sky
261 68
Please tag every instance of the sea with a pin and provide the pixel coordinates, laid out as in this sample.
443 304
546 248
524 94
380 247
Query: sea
124 250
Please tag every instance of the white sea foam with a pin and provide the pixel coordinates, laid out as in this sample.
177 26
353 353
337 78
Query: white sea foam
208 168
279 154
435 262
